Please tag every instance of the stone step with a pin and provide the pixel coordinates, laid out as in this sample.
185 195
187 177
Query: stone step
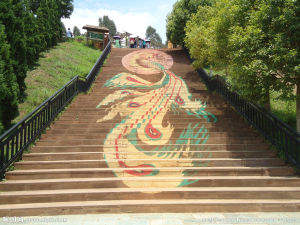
88 108
65 128
173 162
116 182
134 155
163 171
183 122
193 147
83 118
109 125
99 148
104 194
84 134
103 136
62 142
151 206
227 114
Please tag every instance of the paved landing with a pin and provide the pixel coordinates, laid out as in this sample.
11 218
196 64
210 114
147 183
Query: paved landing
161 219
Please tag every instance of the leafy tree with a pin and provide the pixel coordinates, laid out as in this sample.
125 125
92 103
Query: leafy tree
109 24
8 84
43 19
33 39
76 31
65 8
177 19
154 37
256 42
11 16
150 32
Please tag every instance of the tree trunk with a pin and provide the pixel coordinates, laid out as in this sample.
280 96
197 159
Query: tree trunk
298 105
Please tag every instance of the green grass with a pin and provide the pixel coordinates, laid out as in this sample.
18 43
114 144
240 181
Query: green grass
284 109
55 68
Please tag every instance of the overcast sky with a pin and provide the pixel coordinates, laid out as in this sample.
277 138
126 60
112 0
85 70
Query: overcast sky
133 16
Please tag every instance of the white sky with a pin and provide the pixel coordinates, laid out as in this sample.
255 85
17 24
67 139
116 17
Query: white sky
133 16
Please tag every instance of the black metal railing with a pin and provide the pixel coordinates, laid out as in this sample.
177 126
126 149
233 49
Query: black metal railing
89 79
281 135
14 141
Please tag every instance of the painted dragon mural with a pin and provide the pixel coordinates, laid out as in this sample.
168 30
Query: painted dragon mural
145 133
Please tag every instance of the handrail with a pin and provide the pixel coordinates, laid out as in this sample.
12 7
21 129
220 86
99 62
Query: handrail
278 133
89 79
15 140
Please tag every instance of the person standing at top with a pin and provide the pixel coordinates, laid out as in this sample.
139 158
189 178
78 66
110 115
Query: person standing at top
118 43
137 41
69 33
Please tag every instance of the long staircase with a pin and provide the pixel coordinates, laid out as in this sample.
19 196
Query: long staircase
101 157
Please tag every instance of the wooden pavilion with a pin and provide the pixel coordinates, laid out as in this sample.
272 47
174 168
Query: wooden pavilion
98 35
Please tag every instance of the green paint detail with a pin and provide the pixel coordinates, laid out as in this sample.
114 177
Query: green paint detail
132 138
139 125
154 171
144 120
187 182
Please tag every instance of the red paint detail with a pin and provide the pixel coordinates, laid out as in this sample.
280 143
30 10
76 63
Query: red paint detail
122 164
126 92
134 80
179 100
152 132
124 132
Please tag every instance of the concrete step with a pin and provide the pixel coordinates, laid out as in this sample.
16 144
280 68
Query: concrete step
121 141
193 147
132 155
99 148
151 206
84 134
94 137
210 126
163 171
88 117
116 182
101 163
104 194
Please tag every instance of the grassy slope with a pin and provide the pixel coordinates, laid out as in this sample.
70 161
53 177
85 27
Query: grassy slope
284 109
55 68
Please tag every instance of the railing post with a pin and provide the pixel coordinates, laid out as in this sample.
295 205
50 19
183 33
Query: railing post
2 161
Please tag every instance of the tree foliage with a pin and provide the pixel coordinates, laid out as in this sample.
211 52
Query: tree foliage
255 42
8 84
105 21
177 19
76 31
154 37
27 28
